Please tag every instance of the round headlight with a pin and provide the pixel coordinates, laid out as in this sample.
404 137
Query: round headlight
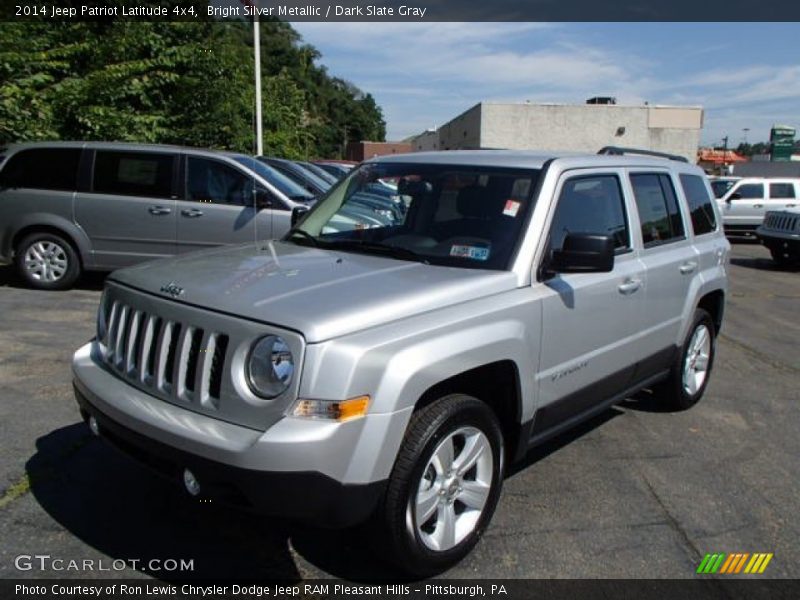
270 367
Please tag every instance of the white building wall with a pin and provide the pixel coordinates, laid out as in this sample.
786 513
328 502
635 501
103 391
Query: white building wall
578 128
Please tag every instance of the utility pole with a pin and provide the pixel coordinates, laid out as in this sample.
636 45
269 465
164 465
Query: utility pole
257 55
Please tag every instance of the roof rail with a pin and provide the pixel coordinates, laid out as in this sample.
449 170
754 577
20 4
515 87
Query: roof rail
617 151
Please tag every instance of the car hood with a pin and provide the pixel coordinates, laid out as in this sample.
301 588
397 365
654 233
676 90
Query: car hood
320 293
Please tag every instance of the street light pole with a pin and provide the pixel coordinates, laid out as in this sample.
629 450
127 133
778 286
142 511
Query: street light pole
257 54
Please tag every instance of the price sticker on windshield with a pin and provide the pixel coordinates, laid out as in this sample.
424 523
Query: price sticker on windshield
511 208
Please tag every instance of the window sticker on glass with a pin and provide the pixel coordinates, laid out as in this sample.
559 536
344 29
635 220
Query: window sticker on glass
473 252
511 208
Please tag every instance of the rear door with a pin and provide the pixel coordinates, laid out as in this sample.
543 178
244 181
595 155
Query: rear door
782 195
129 210
671 262
591 321
219 206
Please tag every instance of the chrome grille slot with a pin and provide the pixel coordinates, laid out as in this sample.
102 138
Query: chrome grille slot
134 342
122 335
172 336
215 368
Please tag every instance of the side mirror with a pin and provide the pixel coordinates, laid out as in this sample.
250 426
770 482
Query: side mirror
734 196
298 212
584 253
263 199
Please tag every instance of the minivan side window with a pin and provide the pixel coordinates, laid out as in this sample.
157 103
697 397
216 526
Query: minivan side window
43 168
657 205
781 190
703 218
591 204
214 181
750 190
133 173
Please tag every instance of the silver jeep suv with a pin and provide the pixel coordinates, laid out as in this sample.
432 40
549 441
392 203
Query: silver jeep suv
395 371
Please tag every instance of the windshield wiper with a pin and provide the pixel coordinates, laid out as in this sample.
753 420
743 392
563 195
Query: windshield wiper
398 252
303 234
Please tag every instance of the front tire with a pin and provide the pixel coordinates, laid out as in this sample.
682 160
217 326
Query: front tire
445 484
47 261
780 256
689 375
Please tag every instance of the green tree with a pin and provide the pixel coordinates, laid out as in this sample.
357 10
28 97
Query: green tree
175 82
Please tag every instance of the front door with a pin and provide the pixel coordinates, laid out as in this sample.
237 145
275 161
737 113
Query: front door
590 320
743 207
220 207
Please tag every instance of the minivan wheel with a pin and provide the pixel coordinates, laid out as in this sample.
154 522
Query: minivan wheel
445 484
689 375
47 261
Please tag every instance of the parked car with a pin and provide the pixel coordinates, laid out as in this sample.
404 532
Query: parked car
70 207
398 371
318 171
336 168
780 232
301 176
746 203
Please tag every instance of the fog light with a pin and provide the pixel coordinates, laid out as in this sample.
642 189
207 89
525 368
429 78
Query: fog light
94 426
191 483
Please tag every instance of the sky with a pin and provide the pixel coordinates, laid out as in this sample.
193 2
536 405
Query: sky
745 75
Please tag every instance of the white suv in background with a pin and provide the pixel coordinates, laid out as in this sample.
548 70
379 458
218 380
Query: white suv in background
746 203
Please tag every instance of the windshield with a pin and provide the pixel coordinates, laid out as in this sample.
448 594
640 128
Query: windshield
455 215
721 186
282 183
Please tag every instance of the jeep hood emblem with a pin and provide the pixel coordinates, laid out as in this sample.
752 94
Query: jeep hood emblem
172 289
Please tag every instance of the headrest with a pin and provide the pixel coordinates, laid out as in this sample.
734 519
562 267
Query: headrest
476 202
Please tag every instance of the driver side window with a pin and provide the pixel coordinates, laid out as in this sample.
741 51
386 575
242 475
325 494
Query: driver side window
214 182
591 204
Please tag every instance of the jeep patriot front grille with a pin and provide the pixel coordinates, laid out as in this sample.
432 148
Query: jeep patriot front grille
172 358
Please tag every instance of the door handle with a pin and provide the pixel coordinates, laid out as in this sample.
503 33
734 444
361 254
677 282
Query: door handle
159 210
630 286
688 267
192 212
758 206
790 205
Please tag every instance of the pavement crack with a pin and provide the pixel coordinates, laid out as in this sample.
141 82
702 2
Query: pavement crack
673 523
767 360
46 472
16 490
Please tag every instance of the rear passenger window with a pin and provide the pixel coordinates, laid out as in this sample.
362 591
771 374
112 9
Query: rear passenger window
750 190
133 173
703 218
658 209
43 168
781 190
591 204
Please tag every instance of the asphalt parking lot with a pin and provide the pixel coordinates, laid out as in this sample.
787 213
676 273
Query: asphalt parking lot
635 493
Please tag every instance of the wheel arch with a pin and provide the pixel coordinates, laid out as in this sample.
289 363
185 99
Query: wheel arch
56 226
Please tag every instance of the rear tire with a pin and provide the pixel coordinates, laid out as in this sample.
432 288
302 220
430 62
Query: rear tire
691 370
445 484
47 261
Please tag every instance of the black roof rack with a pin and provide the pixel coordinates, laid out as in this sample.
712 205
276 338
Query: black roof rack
617 151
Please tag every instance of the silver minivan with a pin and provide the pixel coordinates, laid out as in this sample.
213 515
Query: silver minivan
73 206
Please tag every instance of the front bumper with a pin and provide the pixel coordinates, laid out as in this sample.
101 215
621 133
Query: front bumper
281 471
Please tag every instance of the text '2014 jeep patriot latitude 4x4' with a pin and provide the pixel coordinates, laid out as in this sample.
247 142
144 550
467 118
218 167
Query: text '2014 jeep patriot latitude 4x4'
396 371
